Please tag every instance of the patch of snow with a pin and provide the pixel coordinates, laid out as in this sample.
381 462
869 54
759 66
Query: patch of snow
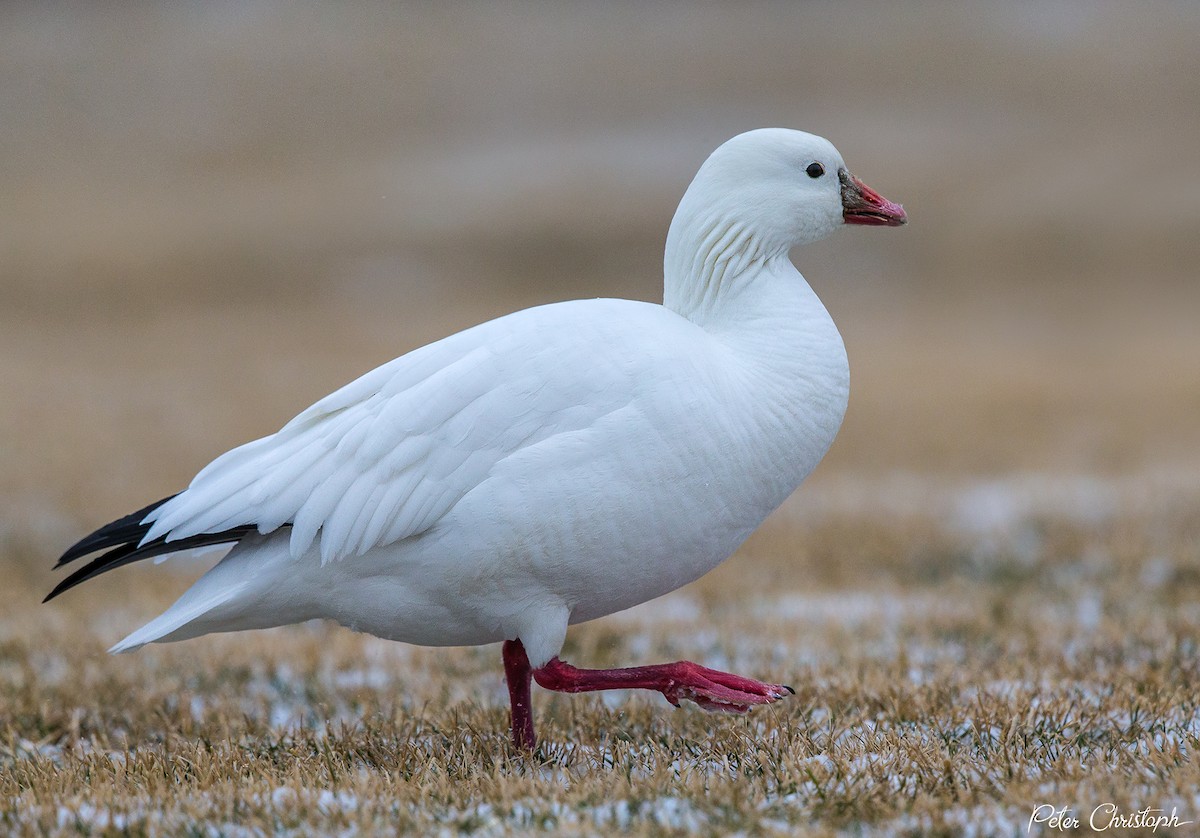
331 801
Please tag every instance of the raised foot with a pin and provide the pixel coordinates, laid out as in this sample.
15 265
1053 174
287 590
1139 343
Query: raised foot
722 692
711 689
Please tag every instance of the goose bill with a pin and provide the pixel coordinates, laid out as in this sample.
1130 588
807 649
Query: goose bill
863 205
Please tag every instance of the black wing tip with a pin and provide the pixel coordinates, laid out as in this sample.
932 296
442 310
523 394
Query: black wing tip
112 559
121 531
58 589
132 551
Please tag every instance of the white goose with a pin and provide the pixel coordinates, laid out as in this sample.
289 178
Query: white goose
552 466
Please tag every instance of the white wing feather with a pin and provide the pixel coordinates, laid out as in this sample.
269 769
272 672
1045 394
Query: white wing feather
386 456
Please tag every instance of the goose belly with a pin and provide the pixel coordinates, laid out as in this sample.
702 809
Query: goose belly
593 521
599 534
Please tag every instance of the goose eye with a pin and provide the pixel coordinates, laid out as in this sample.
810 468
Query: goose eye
815 170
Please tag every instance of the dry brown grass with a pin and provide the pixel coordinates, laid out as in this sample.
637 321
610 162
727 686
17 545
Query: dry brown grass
987 598
976 674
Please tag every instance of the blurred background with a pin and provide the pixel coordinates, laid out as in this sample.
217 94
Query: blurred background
214 213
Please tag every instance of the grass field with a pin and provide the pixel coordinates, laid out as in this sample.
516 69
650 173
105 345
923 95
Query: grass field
988 596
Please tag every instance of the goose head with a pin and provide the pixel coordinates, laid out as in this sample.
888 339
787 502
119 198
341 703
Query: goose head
784 188
757 196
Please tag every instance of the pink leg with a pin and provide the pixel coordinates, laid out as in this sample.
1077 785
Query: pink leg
518 674
710 688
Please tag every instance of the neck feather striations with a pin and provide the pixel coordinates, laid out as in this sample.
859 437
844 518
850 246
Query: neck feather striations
708 255
782 347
